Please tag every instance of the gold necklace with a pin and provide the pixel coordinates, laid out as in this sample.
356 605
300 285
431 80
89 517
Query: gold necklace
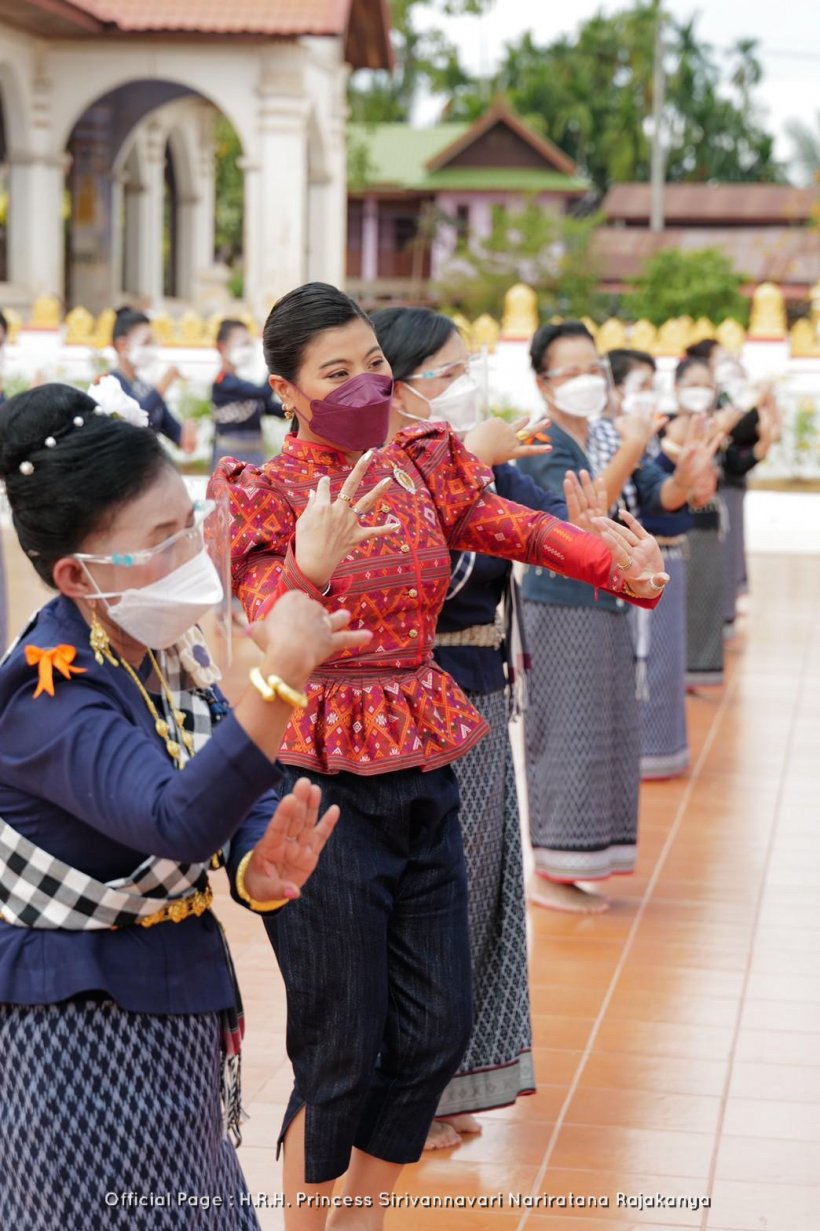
160 725
101 647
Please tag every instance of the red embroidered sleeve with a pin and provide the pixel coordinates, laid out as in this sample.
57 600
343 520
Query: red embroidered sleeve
476 519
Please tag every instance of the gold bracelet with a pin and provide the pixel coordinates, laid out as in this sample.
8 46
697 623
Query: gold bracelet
274 686
246 897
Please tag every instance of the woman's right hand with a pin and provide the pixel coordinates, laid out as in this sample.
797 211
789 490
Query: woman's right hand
328 530
299 634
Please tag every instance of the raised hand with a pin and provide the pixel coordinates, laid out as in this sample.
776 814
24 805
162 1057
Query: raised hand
639 429
299 634
289 849
586 498
494 441
329 529
635 552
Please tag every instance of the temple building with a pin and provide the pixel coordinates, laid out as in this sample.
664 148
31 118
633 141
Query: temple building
107 162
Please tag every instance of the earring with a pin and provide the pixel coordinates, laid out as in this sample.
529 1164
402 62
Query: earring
98 640
287 411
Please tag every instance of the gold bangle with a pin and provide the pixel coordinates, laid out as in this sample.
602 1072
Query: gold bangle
246 897
274 686
291 695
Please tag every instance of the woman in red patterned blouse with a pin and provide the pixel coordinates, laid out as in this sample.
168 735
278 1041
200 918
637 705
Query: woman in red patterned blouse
375 953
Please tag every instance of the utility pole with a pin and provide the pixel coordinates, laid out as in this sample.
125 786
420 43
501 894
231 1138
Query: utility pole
656 219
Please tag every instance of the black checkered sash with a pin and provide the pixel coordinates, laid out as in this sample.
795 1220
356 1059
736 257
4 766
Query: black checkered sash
37 890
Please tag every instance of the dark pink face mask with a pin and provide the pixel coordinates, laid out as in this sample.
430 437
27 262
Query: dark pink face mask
355 416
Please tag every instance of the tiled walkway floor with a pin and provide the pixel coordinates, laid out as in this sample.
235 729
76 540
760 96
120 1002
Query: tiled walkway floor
678 1036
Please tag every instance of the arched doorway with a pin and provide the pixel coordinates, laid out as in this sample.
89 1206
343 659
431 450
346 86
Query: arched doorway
140 187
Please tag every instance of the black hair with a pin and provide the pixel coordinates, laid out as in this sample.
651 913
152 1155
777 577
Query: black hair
623 360
77 484
702 350
125 320
408 336
4 325
296 319
547 334
687 363
227 327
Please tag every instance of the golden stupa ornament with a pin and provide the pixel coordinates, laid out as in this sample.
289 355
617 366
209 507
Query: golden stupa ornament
768 313
520 312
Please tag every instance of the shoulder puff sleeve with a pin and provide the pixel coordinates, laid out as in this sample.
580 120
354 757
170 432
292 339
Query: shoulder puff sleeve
261 526
453 476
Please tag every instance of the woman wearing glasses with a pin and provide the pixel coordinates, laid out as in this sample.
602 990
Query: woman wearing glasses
379 1018
581 726
120 1021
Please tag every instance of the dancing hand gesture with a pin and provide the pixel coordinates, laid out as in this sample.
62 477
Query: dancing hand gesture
635 552
288 851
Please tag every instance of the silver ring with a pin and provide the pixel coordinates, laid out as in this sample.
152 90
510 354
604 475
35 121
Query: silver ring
655 585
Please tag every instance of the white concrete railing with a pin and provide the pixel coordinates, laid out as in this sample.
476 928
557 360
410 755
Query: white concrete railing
42 354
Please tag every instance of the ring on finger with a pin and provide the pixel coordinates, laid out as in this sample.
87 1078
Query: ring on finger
627 564
347 499
523 435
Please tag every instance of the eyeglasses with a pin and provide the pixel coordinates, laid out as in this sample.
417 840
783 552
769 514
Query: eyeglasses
180 546
448 371
570 373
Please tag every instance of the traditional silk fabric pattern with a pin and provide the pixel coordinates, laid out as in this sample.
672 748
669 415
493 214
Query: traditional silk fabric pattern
704 609
581 735
389 706
498 1065
96 1100
664 737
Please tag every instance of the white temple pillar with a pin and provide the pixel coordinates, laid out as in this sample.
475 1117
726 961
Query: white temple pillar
35 235
327 210
150 214
203 224
370 239
276 198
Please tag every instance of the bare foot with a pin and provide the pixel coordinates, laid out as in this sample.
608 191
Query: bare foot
555 895
463 1123
442 1136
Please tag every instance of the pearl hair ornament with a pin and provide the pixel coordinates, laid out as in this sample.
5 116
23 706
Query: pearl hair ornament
113 401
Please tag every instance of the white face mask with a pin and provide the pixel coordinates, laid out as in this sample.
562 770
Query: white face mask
144 358
241 357
459 405
159 614
642 404
696 399
584 397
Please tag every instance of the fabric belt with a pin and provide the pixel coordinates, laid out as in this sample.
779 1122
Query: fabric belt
485 636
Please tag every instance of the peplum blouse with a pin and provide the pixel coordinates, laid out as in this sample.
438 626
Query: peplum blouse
389 706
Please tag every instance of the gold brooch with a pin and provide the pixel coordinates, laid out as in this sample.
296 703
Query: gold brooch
404 480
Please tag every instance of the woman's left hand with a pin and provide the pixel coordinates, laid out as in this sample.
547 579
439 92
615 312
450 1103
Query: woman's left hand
494 441
635 553
290 847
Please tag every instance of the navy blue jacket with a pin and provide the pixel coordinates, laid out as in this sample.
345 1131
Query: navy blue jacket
84 775
152 401
239 405
480 669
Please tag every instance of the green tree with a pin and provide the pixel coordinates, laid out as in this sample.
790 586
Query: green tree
229 204
591 93
424 59
676 283
547 251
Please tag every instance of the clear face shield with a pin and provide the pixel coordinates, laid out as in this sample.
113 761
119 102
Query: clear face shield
156 594
463 402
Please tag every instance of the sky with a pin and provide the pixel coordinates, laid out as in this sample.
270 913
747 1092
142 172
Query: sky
788 32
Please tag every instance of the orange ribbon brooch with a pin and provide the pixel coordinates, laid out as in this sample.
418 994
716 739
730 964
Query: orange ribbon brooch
61 657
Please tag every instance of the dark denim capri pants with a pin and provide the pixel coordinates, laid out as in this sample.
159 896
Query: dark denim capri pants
375 957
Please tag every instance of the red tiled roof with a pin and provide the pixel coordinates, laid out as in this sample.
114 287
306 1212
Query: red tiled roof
363 24
729 204
272 17
788 255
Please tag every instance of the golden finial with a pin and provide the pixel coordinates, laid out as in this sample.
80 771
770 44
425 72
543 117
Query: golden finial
768 312
520 312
